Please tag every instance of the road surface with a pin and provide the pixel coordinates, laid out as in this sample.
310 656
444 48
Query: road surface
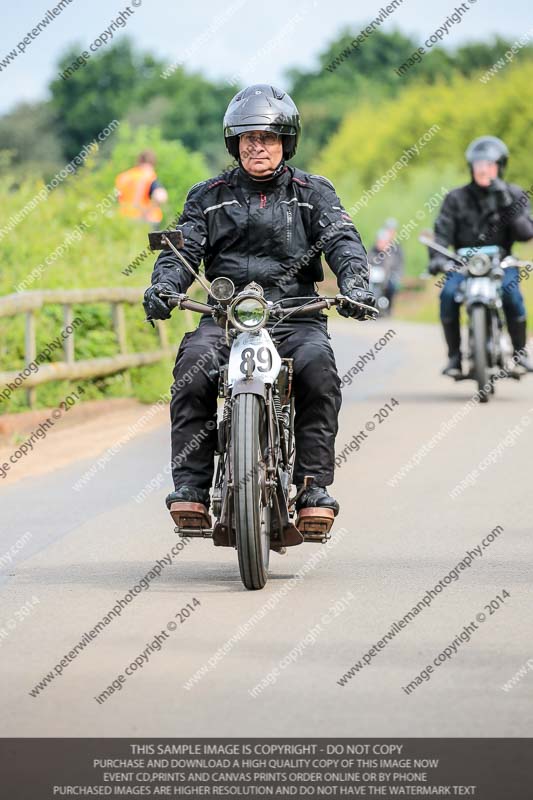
324 608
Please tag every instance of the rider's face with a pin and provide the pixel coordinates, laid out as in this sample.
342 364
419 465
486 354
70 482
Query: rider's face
260 152
484 172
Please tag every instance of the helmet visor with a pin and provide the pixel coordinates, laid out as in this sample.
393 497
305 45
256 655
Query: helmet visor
255 125
483 163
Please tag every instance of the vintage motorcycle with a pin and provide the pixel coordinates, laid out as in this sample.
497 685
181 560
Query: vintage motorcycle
252 509
481 292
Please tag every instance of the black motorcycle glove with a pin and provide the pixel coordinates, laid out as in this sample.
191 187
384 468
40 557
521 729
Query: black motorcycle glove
360 295
155 306
499 194
437 264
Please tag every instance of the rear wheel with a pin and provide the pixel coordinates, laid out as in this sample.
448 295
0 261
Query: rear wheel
479 351
252 514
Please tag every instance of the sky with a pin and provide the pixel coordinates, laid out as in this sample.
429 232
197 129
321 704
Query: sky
245 40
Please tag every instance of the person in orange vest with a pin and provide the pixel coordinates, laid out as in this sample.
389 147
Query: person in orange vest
140 193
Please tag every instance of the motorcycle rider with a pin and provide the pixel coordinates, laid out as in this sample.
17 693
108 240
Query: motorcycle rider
259 222
486 211
388 254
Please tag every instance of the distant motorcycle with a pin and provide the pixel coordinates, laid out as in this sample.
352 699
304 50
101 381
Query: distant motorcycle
256 448
481 292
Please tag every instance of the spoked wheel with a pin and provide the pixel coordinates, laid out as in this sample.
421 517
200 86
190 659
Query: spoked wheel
479 351
252 514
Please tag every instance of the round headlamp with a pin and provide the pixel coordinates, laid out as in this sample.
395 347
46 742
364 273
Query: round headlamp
479 265
249 313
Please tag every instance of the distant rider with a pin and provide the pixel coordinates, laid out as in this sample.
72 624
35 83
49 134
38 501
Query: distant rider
486 211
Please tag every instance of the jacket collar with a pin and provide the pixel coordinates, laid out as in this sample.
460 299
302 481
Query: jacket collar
477 190
280 177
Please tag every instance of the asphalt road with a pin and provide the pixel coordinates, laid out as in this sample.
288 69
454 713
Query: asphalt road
391 544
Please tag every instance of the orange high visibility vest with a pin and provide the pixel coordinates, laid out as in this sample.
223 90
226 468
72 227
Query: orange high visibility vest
134 199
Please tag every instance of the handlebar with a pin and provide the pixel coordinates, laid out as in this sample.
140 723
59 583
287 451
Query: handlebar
506 263
160 239
182 301
511 261
315 305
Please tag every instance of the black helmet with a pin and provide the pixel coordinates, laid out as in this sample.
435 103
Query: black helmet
262 108
488 148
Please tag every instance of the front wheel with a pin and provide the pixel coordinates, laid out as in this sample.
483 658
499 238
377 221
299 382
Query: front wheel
251 513
480 350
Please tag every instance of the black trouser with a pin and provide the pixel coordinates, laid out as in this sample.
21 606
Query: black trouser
193 407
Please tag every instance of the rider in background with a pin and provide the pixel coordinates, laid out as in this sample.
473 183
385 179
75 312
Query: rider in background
387 253
260 221
486 211
140 193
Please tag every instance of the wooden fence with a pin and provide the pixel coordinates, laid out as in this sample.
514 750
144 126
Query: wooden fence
29 303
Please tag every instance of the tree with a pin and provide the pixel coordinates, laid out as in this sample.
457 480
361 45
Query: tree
193 112
28 134
98 92
123 84
349 77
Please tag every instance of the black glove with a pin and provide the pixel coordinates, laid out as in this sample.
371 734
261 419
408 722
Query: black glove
437 264
360 296
499 194
155 306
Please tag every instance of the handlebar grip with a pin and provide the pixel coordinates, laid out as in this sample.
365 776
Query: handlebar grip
192 305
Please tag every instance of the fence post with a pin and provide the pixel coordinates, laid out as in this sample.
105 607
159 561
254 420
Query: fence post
30 351
119 324
163 333
68 343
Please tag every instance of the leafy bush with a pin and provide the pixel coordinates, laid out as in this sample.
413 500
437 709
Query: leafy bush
371 138
79 231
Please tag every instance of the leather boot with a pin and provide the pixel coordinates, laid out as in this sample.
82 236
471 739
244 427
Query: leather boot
188 507
452 334
518 333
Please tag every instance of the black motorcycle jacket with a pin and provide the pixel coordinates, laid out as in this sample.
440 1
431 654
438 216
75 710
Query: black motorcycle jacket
272 232
470 217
